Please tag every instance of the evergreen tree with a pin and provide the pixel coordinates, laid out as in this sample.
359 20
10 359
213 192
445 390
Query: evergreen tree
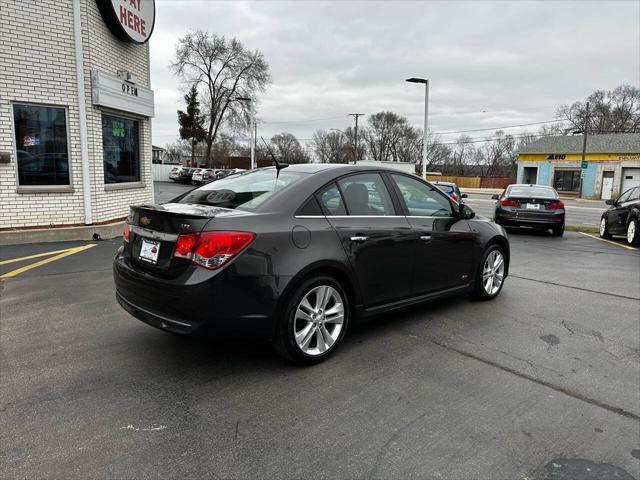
192 121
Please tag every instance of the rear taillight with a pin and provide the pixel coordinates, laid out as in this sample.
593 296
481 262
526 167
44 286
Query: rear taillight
185 244
126 233
212 249
557 205
507 202
454 196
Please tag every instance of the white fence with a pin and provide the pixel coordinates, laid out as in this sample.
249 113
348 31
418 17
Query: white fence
161 172
402 166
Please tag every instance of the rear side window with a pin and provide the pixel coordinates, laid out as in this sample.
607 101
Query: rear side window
331 200
420 199
366 194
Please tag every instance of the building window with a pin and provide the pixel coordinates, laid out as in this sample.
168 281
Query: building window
120 149
566 180
41 145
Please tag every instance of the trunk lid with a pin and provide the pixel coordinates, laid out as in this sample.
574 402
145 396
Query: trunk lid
155 230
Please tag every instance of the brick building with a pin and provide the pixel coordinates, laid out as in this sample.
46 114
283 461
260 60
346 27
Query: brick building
75 111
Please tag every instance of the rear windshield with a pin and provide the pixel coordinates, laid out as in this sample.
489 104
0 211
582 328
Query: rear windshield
534 192
445 188
244 191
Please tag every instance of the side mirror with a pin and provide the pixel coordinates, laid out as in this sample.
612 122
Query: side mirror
464 195
495 196
466 212
610 202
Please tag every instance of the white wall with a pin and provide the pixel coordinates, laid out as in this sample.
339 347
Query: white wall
403 167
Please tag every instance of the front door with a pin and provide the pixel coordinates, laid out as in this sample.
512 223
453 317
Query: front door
444 243
617 216
530 175
378 241
607 185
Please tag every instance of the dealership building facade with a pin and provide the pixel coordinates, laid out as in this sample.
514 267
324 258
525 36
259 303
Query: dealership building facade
611 165
75 111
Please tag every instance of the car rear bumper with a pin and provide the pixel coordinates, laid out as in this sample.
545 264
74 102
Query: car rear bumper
547 220
221 303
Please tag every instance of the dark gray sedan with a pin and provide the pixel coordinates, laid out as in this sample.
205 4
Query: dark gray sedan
534 206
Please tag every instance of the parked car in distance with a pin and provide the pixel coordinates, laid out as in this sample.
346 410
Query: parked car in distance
202 175
536 206
623 217
301 259
452 190
181 174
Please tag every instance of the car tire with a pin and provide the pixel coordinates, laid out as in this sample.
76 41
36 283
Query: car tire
604 231
558 231
633 236
487 270
304 329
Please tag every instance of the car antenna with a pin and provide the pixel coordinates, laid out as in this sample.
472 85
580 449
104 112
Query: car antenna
279 165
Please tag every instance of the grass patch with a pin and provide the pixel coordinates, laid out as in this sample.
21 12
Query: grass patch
582 228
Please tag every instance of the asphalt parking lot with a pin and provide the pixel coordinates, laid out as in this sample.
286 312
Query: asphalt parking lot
542 383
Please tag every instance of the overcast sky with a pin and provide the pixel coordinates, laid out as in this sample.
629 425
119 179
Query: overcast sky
489 63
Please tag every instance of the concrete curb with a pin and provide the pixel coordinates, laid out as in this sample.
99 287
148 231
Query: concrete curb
18 237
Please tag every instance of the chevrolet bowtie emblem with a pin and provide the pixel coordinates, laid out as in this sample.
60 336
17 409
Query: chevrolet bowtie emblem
144 221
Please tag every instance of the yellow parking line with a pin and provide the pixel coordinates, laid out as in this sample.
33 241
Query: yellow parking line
65 253
37 255
609 241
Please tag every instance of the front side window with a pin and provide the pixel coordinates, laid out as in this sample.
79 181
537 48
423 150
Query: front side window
421 200
120 149
625 196
366 194
41 145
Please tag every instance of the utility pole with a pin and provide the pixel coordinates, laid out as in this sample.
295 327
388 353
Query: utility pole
356 115
424 81
584 147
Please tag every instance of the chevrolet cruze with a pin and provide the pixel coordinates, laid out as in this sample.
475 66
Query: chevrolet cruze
299 254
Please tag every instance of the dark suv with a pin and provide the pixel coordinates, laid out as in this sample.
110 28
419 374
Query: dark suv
623 217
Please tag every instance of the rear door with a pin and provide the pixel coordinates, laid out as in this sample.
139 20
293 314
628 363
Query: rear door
444 252
377 239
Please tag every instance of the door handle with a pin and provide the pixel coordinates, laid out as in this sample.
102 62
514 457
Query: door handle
425 238
359 239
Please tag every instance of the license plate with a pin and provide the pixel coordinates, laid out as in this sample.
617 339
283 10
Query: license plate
149 251
533 206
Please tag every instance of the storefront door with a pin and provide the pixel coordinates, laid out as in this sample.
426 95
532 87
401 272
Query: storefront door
607 185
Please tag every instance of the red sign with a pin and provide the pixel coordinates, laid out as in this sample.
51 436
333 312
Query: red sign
129 20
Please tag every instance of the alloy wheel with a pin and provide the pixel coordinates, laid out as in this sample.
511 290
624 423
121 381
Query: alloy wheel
631 231
493 272
603 227
318 321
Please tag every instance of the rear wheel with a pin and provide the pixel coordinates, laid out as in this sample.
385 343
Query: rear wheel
314 320
604 232
633 236
490 277
558 231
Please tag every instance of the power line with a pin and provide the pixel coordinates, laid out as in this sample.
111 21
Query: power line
500 128
310 120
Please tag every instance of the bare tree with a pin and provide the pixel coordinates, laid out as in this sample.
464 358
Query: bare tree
222 70
613 111
384 131
499 155
287 148
331 147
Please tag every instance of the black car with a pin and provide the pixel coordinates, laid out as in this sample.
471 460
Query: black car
298 254
623 218
536 206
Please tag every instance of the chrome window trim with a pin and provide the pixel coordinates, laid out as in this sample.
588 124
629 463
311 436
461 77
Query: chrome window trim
145 232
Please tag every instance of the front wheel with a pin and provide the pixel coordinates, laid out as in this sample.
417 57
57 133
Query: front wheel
633 236
490 277
314 321
604 232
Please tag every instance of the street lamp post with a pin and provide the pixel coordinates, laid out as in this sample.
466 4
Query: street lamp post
252 129
426 117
